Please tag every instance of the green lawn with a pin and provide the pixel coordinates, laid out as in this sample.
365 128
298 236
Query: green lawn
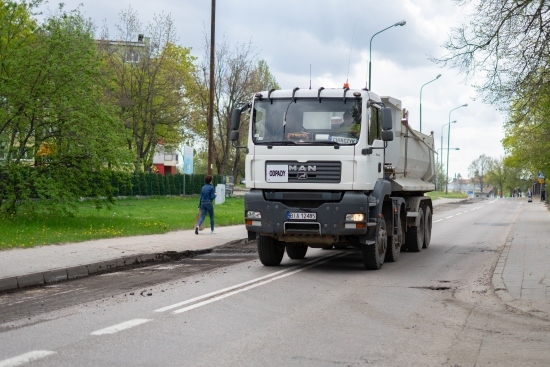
126 217
451 195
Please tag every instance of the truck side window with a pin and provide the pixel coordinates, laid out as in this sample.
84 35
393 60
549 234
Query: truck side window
375 129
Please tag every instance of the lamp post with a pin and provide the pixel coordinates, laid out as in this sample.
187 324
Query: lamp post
442 127
437 77
401 23
437 173
448 143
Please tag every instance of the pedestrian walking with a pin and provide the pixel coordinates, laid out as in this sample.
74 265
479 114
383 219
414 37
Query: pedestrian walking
206 205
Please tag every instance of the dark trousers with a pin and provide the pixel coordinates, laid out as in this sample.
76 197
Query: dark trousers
207 207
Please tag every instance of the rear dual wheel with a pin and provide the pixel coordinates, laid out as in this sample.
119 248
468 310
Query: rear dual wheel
415 234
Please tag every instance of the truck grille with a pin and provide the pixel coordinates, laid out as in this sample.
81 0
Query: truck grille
312 171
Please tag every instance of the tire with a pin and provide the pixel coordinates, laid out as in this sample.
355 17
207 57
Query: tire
295 251
373 255
394 244
415 234
427 227
270 251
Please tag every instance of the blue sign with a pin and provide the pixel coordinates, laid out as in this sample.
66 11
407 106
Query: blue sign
541 175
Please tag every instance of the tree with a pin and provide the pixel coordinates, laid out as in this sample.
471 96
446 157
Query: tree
508 41
151 79
527 135
497 176
238 74
52 113
440 176
478 170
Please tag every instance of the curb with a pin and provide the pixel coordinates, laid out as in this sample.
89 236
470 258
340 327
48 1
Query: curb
81 271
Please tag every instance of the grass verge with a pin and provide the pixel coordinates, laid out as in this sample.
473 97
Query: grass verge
452 195
128 217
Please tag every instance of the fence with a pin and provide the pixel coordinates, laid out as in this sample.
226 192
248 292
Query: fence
153 184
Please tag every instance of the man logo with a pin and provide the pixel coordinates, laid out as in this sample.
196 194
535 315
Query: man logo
302 176
302 168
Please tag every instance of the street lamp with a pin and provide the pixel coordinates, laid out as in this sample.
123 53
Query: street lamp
401 23
437 77
438 184
448 144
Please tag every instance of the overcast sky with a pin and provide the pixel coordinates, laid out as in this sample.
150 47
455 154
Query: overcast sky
292 34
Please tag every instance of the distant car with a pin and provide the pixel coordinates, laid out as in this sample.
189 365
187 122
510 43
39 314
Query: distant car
243 181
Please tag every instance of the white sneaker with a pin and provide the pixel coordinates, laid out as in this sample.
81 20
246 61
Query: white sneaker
213 232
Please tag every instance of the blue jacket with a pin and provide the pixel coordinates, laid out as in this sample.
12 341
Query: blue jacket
208 194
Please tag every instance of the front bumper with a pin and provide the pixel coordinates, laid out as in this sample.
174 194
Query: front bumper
330 218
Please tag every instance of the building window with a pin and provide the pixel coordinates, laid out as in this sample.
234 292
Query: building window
132 56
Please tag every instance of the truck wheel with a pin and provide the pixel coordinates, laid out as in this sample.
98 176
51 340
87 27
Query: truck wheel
295 251
428 227
270 250
394 245
415 234
373 255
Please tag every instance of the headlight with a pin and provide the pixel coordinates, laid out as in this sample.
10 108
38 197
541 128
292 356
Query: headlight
253 215
355 217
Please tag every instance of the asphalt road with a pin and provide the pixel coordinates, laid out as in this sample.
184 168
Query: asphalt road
433 308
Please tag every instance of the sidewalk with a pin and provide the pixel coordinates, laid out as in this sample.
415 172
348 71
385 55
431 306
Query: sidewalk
21 268
522 275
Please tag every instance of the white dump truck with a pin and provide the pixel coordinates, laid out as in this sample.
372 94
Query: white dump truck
335 167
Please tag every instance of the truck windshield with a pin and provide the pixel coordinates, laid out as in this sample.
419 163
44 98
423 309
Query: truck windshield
306 121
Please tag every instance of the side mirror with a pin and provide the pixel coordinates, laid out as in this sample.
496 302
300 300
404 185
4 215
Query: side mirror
234 135
236 119
387 135
387 119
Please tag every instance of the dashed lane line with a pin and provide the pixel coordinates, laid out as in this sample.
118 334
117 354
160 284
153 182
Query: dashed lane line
25 358
224 290
449 217
120 327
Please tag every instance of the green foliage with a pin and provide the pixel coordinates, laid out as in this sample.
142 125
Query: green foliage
527 134
52 113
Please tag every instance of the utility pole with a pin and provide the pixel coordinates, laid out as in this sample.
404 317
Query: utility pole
211 97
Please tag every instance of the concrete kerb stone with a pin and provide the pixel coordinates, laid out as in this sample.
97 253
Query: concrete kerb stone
55 276
29 280
7 284
106 265
77 272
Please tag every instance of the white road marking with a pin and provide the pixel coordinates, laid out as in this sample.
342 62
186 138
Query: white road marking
439 220
122 326
211 294
203 303
25 358
458 213
449 217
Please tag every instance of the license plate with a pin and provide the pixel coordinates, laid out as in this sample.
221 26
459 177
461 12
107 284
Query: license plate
294 215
